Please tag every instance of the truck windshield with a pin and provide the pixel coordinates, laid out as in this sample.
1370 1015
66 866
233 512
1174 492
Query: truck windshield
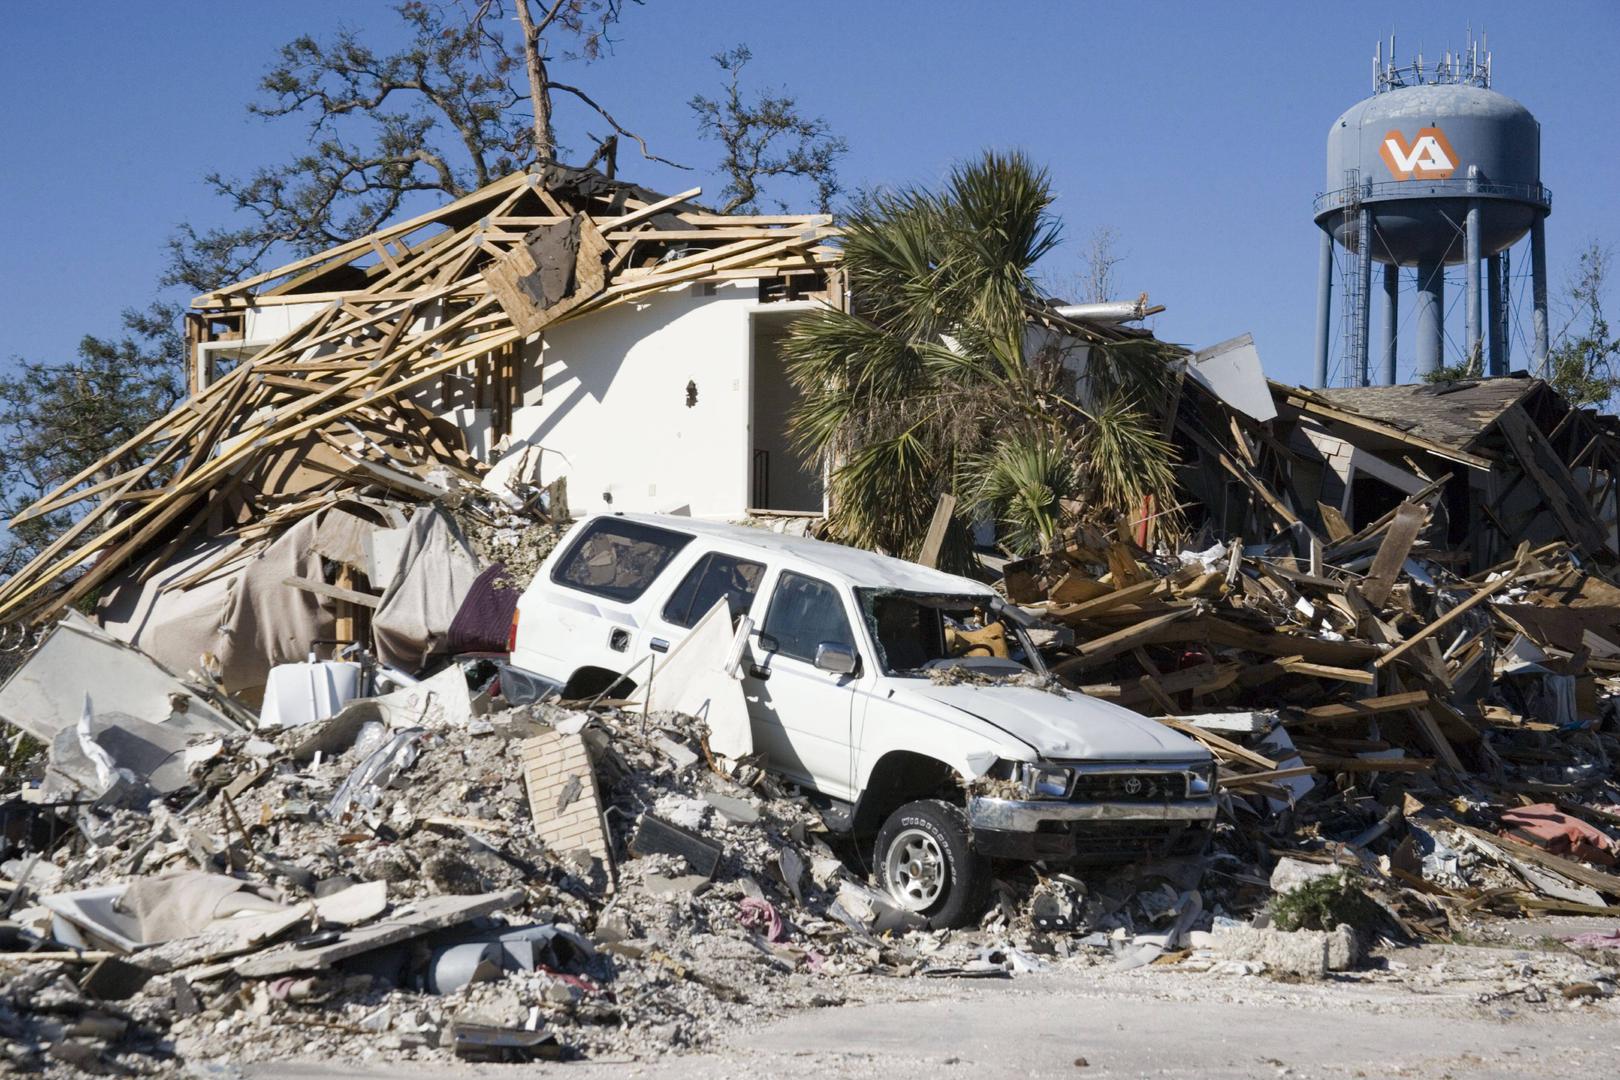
919 632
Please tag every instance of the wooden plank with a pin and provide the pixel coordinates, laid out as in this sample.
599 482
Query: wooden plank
1107 647
1437 741
335 592
1107 602
1333 521
1569 868
1225 747
352 249
1366 707
1336 763
937 527
1270 776
1397 545
1325 671
1201 678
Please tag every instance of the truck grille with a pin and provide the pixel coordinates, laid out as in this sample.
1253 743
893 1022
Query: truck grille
1145 787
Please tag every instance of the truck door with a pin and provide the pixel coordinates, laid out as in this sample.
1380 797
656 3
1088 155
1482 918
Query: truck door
799 712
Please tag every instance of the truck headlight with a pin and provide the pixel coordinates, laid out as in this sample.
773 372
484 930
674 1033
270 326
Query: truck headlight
1201 780
1047 781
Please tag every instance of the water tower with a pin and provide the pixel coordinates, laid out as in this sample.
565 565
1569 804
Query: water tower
1436 169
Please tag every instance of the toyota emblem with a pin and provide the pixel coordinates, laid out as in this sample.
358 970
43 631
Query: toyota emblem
1133 786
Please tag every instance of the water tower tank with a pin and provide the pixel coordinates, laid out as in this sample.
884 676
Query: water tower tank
1434 169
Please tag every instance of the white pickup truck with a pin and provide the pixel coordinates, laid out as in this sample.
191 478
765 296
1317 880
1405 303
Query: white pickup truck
910 700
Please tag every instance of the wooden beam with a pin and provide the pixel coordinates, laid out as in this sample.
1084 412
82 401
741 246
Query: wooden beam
937 527
335 592
1366 707
1392 552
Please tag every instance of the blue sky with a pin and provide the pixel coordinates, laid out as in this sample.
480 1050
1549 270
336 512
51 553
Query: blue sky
1195 130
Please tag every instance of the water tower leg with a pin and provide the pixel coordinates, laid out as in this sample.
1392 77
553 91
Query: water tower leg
1430 316
1363 294
1472 344
1505 319
1392 285
1493 313
1538 293
1324 308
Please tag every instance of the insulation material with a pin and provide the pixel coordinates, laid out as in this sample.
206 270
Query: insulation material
436 571
243 616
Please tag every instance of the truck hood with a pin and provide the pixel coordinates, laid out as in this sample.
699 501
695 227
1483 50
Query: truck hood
1063 727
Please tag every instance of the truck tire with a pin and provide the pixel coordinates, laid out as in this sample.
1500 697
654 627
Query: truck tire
924 861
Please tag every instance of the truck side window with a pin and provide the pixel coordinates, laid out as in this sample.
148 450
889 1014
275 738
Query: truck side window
618 559
804 613
715 576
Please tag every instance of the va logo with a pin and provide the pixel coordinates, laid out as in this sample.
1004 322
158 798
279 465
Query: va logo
1427 157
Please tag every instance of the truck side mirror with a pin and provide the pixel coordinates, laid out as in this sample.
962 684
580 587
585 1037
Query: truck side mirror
840 659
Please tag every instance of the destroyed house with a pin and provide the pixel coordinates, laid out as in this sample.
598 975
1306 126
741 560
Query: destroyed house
571 328
1501 461
640 355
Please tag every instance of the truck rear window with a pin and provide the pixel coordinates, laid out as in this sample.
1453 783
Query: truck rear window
618 559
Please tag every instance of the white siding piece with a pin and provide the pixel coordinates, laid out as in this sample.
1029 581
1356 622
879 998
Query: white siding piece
1232 372
613 416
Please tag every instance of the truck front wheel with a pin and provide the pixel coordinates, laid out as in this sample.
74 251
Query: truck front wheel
924 861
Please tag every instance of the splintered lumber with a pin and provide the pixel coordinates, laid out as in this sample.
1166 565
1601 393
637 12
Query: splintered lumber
1333 521
1224 748
1386 566
1336 763
1201 678
1107 601
1366 707
1548 472
1447 619
1259 779
1594 879
1111 645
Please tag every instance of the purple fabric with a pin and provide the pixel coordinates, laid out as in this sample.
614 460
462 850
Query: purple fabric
485 616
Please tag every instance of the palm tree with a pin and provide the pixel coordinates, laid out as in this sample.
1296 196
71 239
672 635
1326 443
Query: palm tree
949 376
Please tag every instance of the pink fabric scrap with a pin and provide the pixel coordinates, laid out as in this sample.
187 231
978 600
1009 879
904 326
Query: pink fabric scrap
761 915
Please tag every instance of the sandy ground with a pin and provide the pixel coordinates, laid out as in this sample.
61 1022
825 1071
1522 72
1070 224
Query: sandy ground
1458 1012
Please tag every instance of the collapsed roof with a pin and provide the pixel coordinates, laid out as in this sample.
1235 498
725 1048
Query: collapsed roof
329 408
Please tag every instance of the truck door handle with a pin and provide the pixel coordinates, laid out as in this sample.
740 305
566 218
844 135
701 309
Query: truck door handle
619 639
759 672
658 644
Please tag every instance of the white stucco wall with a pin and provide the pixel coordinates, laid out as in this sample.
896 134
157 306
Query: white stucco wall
612 413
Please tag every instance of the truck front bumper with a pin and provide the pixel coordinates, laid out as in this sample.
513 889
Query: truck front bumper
1088 831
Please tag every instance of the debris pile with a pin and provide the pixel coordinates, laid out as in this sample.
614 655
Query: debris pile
1447 741
427 873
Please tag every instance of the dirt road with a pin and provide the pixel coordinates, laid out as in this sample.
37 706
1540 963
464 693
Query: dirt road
1457 1012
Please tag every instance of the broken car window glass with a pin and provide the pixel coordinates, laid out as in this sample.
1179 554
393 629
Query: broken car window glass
618 559
920 631
714 577
804 613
